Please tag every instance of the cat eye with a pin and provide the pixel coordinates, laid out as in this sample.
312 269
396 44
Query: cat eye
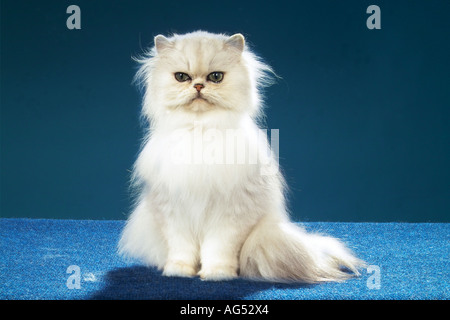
182 77
215 76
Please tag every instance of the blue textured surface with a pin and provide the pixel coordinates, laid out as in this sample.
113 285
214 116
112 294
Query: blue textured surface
35 254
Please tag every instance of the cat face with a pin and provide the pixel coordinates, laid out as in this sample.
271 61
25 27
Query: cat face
201 72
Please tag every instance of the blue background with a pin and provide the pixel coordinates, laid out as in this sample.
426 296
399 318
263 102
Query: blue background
363 114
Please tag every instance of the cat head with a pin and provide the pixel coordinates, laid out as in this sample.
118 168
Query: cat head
201 72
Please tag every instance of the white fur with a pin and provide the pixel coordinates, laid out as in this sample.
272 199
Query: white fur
215 219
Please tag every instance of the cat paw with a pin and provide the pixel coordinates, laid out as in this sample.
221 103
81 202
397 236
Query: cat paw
179 269
218 273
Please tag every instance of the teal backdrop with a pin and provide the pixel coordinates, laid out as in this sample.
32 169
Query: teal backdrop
363 114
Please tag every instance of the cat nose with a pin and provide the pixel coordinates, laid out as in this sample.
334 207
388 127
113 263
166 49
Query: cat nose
198 86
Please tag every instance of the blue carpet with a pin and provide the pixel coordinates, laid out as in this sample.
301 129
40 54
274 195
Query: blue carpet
413 262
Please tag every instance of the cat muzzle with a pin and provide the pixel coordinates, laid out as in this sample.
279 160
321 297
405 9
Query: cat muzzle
198 86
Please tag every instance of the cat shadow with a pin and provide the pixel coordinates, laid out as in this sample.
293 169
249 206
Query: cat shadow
143 283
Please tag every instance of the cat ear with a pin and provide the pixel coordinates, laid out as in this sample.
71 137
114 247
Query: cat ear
237 41
161 43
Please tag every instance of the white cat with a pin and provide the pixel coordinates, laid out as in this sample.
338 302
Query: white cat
200 210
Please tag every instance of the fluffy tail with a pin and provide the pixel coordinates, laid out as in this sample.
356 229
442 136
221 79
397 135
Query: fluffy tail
284 252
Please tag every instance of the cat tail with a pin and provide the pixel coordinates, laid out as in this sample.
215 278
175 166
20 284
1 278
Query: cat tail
282 251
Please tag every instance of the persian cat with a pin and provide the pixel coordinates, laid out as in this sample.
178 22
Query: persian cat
211 200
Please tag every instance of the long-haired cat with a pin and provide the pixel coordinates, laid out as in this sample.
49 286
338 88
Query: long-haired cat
206 206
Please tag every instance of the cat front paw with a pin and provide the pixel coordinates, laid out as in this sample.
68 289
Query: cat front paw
218 273
179 269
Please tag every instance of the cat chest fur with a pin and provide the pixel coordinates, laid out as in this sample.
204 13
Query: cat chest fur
201 158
